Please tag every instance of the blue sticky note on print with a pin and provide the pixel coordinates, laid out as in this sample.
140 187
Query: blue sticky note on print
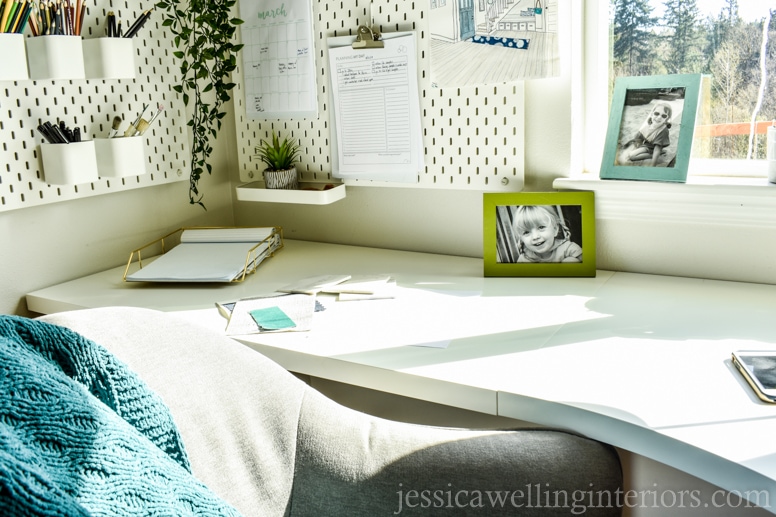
272 318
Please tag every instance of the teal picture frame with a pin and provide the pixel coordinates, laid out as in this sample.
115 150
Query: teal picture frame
634 132
505 254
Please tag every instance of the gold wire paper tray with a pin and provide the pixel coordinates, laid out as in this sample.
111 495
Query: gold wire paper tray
204 254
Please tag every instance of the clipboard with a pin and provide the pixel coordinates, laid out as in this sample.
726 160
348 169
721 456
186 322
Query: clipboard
375 139
367 38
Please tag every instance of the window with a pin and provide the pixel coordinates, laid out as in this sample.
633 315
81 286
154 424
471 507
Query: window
731 42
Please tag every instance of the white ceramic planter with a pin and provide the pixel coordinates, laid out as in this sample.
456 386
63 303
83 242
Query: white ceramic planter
287 179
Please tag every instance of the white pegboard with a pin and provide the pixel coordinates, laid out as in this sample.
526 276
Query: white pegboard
472 136
91 104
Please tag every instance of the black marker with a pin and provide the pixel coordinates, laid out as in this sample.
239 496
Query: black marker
138 24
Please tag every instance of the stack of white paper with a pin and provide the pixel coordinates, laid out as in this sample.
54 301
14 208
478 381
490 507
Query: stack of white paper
211 255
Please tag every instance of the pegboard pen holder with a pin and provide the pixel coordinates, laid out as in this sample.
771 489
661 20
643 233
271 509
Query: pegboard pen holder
109 58
120 157
55 57
69 164
13 59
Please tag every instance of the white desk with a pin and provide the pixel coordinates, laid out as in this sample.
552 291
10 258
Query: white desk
638 361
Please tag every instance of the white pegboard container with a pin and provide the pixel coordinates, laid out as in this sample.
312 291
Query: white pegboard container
120 157
13 58
109 58
55 57
473 136
69 164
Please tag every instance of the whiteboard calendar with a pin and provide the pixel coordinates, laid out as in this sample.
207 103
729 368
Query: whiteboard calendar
278 59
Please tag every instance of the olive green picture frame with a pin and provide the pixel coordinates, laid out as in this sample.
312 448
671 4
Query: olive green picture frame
501 249
632 100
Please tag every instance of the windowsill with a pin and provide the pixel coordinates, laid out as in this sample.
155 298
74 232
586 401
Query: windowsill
707 200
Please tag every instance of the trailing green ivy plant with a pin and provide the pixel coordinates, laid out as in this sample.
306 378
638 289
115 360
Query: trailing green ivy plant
203 32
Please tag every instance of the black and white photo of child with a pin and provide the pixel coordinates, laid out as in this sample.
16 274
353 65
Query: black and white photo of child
539 234
649 130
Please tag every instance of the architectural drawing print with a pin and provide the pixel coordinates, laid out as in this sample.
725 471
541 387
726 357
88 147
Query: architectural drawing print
492 41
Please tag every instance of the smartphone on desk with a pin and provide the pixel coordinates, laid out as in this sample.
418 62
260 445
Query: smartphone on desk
758 367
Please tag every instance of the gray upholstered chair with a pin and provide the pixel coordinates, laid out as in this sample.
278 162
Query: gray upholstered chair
269 444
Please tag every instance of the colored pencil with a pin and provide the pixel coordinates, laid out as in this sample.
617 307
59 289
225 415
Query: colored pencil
6 14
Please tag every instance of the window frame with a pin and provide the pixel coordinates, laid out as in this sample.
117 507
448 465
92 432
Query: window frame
736 198
595 106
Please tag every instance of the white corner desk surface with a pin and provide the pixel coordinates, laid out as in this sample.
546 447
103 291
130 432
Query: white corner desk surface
638 361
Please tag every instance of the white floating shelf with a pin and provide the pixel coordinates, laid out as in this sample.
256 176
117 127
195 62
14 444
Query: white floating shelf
309 193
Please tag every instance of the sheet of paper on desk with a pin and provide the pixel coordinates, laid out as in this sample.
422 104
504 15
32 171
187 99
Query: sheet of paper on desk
376 125
313 284
364 287
299 308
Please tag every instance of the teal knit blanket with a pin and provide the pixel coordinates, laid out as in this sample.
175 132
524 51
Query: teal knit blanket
81 434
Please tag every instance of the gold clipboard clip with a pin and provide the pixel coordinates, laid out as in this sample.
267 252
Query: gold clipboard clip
367 38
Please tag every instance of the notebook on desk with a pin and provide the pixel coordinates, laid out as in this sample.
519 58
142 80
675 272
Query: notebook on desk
208 255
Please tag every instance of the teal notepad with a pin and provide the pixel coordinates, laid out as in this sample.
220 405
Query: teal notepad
272 318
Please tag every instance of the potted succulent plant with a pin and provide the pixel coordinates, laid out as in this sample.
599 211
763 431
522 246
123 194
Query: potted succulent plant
279 156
